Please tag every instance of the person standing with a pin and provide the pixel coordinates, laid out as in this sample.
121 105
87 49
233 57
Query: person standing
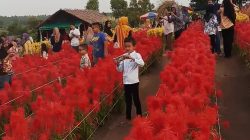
228 18
5 64
44 51
75 37
85 61
99 43
56 40
185 17
211 24
27 44
218 34
168 27
122 31
107 29
88 35
177 18
129 64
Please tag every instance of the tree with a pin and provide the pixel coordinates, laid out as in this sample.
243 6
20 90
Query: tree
15 28
119 8
1 23
133 13
145 6
93 5
33 22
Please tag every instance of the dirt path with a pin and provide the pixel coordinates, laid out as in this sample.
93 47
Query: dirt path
234 79
149 84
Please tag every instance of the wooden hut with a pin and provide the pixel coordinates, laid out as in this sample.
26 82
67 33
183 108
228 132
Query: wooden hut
63 18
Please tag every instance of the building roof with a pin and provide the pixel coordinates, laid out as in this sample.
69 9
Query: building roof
89 16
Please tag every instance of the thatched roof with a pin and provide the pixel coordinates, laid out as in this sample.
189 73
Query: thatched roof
165 5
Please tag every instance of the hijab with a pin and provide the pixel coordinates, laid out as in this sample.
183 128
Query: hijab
25 38
107 29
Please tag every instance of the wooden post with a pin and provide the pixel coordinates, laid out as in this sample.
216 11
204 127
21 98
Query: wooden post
41 36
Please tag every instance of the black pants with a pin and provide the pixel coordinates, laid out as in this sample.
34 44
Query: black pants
228 37
132 91
76 48
213 43
177 34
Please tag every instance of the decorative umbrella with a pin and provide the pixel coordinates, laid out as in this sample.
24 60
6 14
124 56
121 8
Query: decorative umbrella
149 15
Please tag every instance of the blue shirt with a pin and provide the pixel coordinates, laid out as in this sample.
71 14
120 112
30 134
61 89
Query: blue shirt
98 43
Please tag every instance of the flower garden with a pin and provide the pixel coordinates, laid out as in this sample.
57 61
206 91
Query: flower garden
47 101
183 107
54 99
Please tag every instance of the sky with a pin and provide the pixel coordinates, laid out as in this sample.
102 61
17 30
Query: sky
47 7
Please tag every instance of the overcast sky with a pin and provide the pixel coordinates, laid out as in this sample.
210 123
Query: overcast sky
41 7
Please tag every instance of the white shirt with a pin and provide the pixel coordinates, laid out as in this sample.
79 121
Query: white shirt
130 68
45 55
75 35
168 27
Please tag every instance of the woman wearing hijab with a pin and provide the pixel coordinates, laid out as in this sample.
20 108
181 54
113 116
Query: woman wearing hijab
107 28
228 18
56 40
211 24
122 31
27 44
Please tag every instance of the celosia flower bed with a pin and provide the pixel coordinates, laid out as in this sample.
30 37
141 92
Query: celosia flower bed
242 40
182 108
38 107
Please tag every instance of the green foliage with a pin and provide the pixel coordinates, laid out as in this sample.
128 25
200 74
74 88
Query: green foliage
93 5
135 9
138 8
145 6
1 23
17 25
134 13
16 28
119 8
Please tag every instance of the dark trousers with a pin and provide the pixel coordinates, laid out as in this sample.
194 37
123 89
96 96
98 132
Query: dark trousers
228 37
76 48
132 92
213 43
218 50
5 79
168 42
177 34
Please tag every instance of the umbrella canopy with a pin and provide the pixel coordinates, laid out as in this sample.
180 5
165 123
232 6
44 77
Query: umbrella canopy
149 15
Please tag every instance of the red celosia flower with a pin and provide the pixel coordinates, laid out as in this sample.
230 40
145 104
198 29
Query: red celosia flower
18 127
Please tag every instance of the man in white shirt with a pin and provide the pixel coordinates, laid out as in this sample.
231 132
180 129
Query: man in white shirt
75 37
168 26
129 64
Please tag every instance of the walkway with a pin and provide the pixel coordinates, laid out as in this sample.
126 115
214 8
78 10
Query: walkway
148 86
233 77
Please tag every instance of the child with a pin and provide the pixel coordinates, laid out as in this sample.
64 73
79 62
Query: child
129 64
44 51
99 43
85 61
211 26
